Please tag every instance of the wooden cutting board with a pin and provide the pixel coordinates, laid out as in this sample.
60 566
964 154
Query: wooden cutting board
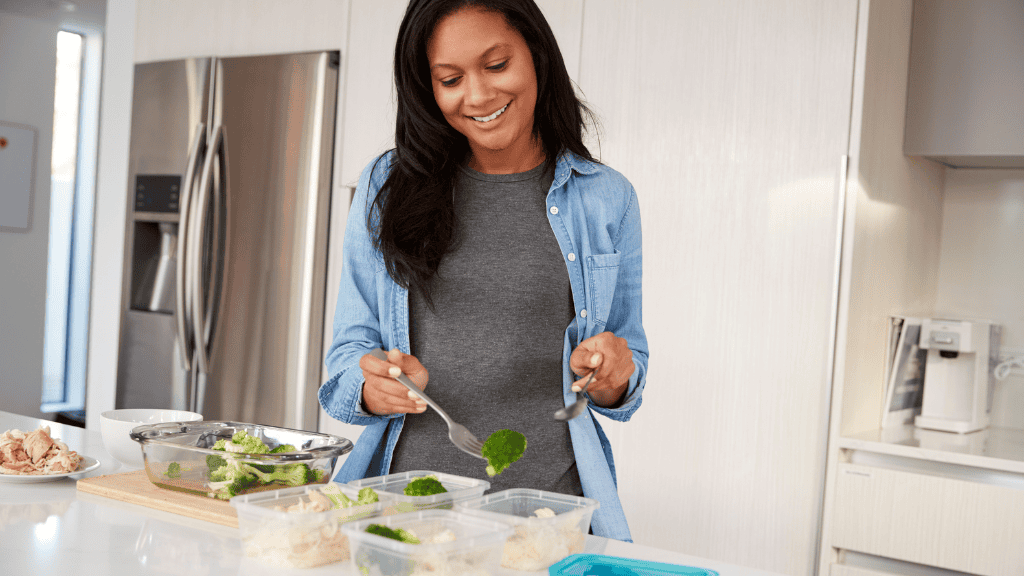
135 488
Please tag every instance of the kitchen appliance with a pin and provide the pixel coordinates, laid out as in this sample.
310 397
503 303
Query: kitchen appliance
959 374
225 263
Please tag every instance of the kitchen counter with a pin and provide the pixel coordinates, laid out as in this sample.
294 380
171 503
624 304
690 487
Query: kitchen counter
51 528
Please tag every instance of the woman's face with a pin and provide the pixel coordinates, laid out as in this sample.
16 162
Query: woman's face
486 87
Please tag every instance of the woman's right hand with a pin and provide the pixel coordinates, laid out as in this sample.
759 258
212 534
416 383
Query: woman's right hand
382 394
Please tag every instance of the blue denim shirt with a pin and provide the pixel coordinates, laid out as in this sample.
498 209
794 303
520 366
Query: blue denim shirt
594 215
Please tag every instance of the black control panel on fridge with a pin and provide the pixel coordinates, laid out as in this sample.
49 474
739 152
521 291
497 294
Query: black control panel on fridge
157 193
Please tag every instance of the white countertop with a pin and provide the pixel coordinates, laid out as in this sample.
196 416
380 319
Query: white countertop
999 449
51 528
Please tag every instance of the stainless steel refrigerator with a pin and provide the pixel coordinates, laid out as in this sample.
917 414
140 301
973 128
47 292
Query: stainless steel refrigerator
225 266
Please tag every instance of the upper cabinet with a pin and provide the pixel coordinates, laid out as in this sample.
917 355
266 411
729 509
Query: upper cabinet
965 97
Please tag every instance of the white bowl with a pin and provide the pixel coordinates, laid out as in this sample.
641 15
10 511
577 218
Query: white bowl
115 425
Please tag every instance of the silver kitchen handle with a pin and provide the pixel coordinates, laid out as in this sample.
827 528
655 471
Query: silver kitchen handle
198 248
220 249
181 314
221 238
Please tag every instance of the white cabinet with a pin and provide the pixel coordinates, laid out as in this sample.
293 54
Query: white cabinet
966 78
928 519
926 240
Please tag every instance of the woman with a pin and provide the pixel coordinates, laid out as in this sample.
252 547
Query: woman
492 248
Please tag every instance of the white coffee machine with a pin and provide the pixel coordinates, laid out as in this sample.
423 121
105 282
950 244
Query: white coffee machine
959 374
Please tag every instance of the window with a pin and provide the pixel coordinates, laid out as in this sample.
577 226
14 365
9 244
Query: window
72 183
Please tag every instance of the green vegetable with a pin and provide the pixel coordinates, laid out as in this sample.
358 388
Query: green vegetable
247 444
174 470
393 533
424 486
367 496
229 476
502 449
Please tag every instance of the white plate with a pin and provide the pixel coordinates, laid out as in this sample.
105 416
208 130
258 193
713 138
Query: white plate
86 465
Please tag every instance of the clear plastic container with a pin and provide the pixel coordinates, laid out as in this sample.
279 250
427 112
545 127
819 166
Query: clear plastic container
451 544
458 488
299 538
538 542
189 445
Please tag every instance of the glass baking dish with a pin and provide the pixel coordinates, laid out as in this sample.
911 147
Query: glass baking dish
180 456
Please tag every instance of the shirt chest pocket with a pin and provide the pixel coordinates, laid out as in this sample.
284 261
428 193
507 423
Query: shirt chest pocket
602 271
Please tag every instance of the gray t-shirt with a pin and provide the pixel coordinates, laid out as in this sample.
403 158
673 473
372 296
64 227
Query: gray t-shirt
493 343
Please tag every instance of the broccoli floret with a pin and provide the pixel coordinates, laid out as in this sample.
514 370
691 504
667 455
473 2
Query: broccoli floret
424 486
174 470
229 476
214 462
393 533
292 475
503 448
236 479
367 496
243 443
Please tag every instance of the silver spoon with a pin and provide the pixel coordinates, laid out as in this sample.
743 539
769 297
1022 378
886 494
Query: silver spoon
577 407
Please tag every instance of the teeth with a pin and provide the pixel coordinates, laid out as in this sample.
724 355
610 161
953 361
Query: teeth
491 117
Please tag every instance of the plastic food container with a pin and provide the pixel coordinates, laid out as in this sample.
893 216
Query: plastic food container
298 539
538 542
459 488
189 444
451 544
594 564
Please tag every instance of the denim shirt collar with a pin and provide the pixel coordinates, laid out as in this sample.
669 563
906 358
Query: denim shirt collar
567 163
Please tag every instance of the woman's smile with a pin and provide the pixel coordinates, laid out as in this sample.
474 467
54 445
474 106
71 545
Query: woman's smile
490 117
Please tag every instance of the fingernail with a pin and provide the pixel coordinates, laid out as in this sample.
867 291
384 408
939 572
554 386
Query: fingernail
595 358
421 408
576 388
413 395
395 371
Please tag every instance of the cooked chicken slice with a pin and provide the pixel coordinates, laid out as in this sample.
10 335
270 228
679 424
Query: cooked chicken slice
37 444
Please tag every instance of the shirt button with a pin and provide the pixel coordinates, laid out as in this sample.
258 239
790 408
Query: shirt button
572 257
554 209
583 313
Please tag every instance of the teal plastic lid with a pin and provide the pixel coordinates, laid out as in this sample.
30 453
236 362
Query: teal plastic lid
598 565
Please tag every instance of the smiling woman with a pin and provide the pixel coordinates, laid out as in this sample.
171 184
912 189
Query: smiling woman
491 247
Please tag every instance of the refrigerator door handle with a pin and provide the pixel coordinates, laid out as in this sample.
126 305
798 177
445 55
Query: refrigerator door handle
219 246
199 249
183 322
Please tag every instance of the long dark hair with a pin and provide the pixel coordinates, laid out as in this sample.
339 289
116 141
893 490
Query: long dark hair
412 220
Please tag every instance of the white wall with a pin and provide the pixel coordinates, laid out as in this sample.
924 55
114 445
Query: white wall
730 118
981 272
110 210
28 63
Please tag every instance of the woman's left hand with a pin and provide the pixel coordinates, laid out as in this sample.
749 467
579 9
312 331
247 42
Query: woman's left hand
611 360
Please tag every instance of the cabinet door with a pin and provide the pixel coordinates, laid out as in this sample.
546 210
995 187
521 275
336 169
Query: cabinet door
964 104
944 522
730 119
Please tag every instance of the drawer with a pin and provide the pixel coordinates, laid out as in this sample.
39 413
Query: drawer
945 522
